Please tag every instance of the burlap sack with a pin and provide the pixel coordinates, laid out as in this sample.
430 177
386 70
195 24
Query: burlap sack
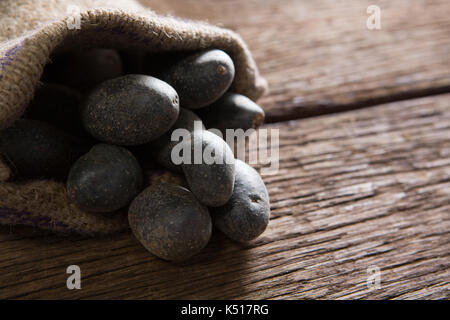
31 30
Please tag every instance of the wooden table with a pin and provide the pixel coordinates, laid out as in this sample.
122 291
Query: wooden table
362 190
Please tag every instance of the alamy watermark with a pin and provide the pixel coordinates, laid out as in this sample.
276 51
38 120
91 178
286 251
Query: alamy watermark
256 147
374 278
73 22
74 280
374 20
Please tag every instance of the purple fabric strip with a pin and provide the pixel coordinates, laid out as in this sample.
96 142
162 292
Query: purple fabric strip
7 59
8 215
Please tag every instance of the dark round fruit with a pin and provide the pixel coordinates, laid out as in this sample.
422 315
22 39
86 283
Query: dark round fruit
169 222
246 215
157 63
162 147
105 179
210 180
130 110
232 111
57 105
201 78
34 149
85 68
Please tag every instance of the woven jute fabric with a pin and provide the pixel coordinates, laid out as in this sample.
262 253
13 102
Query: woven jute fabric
31 31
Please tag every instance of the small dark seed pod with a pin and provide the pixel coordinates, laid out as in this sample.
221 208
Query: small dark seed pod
210 181
232 111
85 68
169 222
105 179
130 110
57 105
162 147
246 215
201 78
34 149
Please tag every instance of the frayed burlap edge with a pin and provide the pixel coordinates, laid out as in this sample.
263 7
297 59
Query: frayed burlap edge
44 204
23 61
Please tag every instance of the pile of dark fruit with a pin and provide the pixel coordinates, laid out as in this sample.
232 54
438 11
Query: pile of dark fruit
91 107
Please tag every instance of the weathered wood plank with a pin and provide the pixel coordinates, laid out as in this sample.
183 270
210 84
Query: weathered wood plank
319 57
369 188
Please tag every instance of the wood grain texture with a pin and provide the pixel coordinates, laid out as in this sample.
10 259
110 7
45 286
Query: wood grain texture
358 189
319 57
